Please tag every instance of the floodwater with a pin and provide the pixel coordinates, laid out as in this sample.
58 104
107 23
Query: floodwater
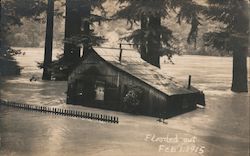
222 128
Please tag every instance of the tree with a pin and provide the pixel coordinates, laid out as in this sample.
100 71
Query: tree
12 13
78 33
0 24
233 36
48 41
72 28
154 39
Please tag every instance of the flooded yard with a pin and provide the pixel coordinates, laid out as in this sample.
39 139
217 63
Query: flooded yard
222 128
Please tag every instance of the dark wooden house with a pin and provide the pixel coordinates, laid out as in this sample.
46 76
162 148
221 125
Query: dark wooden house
120 80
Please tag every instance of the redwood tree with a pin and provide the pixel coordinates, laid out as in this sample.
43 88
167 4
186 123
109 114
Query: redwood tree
72 28
78 33
152 38
233 36
78 30
0 24
48 41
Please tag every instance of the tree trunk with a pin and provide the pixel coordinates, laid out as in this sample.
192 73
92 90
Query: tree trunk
239 82
1 35
85 13
143 49
48 40
86 48
72 28
154 42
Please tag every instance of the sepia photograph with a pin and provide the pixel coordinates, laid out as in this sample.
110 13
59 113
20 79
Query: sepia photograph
124 78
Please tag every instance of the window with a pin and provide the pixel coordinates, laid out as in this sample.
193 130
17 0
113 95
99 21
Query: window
99 89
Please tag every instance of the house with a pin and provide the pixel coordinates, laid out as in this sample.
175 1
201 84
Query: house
120 80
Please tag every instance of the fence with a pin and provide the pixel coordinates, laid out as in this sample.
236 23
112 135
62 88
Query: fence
64 112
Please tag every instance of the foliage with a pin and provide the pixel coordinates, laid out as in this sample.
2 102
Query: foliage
86 38
156 33
12 12
59 68
235 32
132 99
88 17
32 34
7 63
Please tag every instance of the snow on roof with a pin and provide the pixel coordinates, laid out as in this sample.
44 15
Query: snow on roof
132 63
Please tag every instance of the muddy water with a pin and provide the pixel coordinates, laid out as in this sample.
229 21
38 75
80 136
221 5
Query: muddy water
222 128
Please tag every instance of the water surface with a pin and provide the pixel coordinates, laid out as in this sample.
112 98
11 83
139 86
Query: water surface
222 128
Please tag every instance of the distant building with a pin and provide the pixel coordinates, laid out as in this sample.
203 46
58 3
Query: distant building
122 81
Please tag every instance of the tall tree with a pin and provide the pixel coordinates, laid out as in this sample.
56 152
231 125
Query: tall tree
233 36
48 41
89 38
72 28
0 24
78 33
148 38
79 19
153 38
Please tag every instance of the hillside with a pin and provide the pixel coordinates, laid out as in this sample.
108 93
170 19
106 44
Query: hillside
31 34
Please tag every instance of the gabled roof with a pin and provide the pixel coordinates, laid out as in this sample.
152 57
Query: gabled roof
132 64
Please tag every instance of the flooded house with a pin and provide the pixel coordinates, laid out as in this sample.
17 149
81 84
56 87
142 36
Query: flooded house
118 79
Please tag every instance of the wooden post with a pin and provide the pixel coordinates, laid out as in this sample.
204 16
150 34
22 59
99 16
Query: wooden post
189 82
120 57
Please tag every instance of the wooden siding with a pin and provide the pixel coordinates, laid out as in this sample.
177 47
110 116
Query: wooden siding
154 102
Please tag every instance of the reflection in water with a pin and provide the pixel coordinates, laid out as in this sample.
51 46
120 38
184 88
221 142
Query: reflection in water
222 127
